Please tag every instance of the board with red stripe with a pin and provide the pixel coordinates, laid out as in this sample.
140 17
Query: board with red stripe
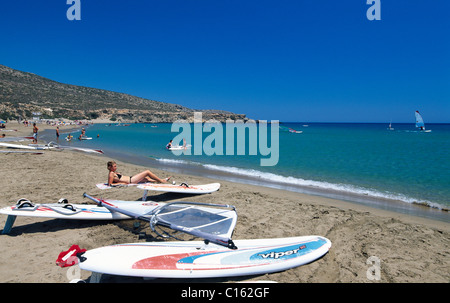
78 211
194 259
182 188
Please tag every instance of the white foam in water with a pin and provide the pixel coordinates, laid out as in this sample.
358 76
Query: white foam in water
172 161
321 185
343 188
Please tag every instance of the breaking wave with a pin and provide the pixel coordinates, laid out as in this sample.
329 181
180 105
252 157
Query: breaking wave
271 178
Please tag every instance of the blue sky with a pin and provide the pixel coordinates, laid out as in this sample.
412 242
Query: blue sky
303 60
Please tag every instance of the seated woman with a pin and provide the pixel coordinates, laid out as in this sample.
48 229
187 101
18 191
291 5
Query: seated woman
115 178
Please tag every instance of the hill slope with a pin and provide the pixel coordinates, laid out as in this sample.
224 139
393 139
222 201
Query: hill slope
22 93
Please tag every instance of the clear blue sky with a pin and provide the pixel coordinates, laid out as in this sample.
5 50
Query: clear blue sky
297 60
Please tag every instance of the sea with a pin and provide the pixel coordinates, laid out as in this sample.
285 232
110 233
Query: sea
400 169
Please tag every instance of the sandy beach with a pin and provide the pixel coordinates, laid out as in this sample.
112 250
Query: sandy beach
410 249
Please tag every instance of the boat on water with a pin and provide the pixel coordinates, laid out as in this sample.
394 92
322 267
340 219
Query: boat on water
291 130
390 126
419 122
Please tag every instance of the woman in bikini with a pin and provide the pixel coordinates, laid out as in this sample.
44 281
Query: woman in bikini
115 178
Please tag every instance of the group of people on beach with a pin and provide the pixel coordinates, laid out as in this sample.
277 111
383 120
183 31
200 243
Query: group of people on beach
115 178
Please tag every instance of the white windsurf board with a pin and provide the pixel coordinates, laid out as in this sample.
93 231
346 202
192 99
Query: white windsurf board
79 211
194 259
178 147
21 152
181 188
15 139
106 186
20 146
86 150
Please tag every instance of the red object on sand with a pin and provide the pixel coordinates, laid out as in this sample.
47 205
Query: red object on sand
69 257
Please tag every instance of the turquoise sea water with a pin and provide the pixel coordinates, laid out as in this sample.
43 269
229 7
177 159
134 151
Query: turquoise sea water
366 163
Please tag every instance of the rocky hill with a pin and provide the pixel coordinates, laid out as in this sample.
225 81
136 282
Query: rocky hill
23 93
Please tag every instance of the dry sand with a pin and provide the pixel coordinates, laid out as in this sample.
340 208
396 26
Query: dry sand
410 249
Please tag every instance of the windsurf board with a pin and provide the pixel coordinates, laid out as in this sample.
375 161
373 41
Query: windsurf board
21 152
72 211
86 150
178 147
106 186
181 188
15 139
78 211
20 146
49 146
195 259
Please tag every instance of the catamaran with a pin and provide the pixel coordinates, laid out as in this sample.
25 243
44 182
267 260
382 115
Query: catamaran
419 122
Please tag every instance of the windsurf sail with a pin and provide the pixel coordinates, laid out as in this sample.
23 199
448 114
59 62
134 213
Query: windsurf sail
212 222
419 121
289 129
390 126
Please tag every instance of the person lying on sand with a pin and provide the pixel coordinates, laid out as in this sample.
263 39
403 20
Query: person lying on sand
115 178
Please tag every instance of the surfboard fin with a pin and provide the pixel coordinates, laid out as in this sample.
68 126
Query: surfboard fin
9 224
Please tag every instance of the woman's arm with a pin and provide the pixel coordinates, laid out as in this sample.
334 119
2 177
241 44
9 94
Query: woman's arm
110 178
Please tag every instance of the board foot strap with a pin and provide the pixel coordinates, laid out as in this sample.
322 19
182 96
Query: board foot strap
9 224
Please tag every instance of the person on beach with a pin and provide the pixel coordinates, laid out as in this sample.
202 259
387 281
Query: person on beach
35 133
115 178
57 132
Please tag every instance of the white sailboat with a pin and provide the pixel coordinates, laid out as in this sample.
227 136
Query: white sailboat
419 122
390 126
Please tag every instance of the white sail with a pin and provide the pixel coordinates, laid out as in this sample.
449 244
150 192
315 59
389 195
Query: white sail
213 222
419 121
390 126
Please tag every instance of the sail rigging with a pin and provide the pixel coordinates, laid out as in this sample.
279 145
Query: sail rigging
212 222
419 121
